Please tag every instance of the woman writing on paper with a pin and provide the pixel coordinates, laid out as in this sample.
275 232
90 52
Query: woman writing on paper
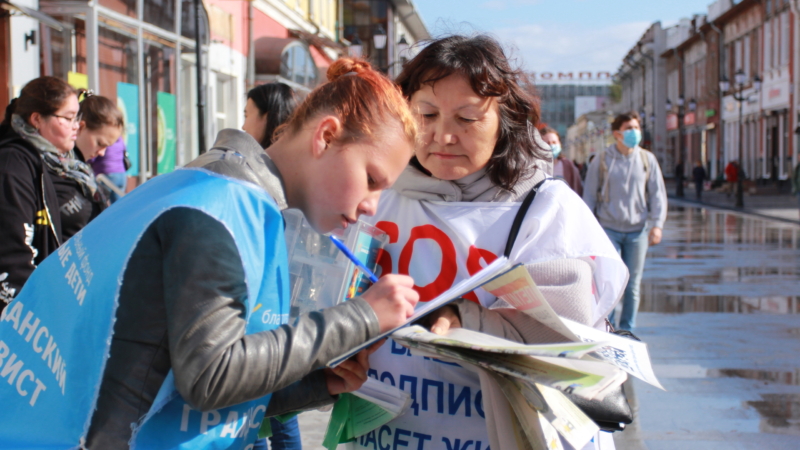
176 293
449 214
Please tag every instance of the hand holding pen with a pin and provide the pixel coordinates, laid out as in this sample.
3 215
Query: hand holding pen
397 289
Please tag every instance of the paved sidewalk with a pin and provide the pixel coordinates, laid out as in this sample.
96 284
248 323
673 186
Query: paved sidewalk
313 425
767 202
732 381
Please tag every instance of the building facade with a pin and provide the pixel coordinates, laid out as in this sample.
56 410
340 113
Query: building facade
385 30
642 78
749 48
144 54
693 98
566 96
590 134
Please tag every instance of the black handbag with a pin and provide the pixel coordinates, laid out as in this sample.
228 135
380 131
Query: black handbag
126 161
613 412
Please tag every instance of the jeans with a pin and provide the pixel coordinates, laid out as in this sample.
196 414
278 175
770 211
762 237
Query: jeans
633 249
285 436
120 180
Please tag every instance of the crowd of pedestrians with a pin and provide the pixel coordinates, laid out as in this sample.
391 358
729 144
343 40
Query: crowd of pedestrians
187 258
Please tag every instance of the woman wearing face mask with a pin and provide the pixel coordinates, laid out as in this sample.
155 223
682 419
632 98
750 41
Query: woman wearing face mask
562 167
179 342
450 213
625 189
37 136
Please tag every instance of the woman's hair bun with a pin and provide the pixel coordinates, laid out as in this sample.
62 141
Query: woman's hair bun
345 66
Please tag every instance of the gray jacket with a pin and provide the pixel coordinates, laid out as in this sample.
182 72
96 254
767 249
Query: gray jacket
185 267
628 200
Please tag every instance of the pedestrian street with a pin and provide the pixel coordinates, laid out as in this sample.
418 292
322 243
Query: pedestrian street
720 315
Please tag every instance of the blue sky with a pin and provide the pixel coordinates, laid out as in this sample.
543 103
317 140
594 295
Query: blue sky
558 35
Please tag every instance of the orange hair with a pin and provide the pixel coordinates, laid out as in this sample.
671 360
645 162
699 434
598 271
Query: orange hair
361 97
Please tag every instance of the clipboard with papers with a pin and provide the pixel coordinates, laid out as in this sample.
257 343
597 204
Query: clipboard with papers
494 270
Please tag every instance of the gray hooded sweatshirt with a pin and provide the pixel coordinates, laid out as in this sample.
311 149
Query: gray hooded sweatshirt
628 200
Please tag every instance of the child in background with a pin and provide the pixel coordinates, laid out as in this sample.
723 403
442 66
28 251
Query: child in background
112 165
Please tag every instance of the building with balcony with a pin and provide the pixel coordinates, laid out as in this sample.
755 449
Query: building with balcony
642 79
383 31
566 96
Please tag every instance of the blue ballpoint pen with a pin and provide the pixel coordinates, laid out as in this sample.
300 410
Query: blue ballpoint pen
353 258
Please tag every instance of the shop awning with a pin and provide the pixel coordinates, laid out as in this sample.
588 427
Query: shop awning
289 58
268 54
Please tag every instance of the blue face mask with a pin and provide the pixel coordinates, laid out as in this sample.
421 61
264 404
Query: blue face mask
556 148
631 138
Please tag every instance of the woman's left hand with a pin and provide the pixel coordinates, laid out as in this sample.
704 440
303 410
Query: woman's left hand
351 374
444 318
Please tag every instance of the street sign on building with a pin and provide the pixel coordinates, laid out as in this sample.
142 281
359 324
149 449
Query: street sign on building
672 122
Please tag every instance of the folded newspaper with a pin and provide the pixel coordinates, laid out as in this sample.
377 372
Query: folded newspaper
524 385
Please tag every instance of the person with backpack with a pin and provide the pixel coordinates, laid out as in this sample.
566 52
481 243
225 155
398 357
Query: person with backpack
625 189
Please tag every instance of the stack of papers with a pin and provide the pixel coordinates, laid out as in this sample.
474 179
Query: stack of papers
524 385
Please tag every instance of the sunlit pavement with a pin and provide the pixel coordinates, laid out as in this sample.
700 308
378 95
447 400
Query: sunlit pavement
720 303
313 425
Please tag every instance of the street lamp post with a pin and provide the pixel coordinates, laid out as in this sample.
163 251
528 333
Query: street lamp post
356 48
643 118
738 94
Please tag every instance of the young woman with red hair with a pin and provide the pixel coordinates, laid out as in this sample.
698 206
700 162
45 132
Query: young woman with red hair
195 358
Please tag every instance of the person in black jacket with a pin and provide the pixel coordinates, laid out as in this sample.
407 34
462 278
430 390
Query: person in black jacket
699 175
38 129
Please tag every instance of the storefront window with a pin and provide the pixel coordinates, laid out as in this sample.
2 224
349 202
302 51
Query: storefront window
362 18
127 7
188 144
298 66
57 57
161 13
160 104
117 54
187 22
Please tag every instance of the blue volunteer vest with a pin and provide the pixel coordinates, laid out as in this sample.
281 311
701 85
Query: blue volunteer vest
55 336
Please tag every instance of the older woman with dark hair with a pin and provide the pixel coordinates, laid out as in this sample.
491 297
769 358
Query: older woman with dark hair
477 157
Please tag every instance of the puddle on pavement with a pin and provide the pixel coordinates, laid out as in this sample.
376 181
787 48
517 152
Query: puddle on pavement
780 413
789 377
768 376
717 261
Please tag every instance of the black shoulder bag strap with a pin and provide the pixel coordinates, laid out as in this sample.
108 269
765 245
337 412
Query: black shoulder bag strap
613 412
523 210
